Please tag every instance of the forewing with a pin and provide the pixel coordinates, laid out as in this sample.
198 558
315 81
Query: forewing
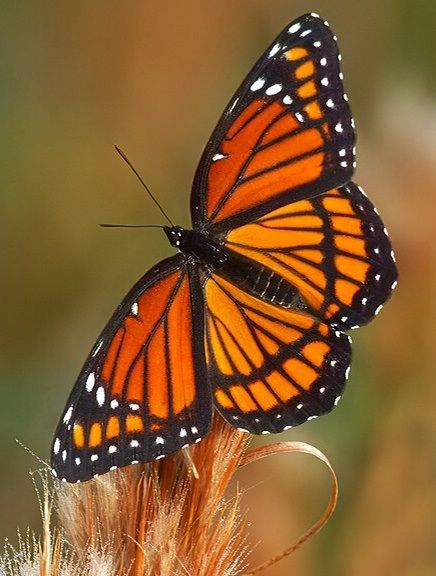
334 249
142 393
287 133
270 367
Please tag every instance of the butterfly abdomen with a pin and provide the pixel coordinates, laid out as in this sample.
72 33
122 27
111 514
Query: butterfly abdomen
260 281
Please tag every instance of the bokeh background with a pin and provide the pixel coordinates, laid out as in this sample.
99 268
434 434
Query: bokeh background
153 77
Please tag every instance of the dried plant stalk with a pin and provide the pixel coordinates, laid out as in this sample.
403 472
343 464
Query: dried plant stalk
159 519
173 517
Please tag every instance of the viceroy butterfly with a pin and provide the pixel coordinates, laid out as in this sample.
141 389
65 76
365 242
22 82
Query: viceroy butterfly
286 254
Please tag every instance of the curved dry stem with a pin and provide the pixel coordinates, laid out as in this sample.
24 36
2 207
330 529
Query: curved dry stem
170 518
286 447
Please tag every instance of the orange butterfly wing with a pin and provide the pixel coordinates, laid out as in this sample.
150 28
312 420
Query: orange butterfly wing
287 133
270 368
141 394
334 249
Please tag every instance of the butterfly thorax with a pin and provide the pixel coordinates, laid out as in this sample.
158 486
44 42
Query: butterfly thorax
197 244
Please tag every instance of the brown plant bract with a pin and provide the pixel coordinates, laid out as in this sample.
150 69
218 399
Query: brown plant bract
174 517
158 518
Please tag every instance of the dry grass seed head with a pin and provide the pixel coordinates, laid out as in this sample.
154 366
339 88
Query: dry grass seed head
159 519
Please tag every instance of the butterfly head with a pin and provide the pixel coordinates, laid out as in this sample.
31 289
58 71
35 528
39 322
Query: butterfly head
196 245
176 235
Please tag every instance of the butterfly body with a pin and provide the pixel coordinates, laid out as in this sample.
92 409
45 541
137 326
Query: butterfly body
285 255
197 245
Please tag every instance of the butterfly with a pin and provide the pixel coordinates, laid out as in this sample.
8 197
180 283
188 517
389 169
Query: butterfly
249 318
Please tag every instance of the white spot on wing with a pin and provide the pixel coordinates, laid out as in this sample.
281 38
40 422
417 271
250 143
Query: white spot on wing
257 85
274 50
90 382
134 308
64 455
134 444
274 89
56 446
94 457
217 156
183 433
67 415
112 449
294 28
100 395
159 440
114 403
233 105
97 350
287 100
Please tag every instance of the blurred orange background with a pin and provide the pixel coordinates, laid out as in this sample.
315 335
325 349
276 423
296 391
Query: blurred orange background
153 77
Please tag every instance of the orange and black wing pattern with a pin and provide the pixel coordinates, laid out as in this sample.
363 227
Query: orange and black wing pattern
270 368
333 249
286 254
287 133
141 394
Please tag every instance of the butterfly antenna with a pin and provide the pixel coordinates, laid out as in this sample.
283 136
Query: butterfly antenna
131 226
127 161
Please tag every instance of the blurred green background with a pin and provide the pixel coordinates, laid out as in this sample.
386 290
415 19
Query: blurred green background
153 77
